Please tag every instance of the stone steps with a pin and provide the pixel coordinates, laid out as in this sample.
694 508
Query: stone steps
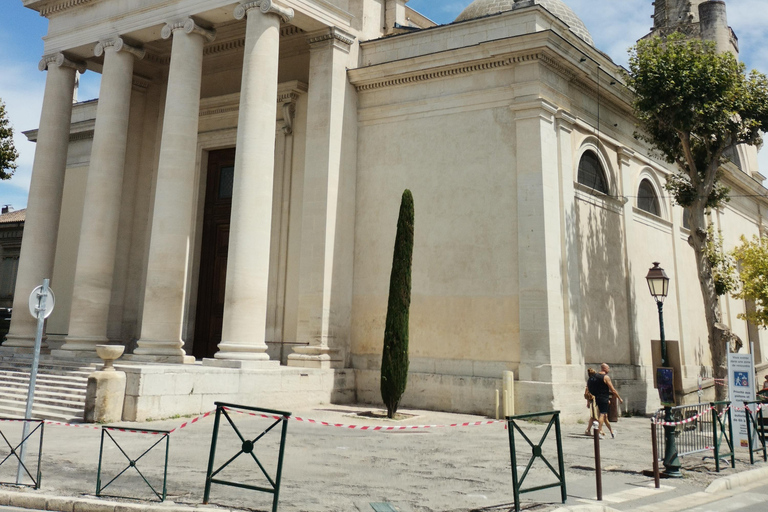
60 388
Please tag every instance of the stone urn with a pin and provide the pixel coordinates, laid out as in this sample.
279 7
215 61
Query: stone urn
108 353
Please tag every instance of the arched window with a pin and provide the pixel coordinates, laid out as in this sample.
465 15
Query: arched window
647 199
591 172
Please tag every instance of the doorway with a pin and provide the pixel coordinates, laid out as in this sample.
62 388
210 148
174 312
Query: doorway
213 257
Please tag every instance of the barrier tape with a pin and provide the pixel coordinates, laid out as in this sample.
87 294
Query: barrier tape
376 428
685 421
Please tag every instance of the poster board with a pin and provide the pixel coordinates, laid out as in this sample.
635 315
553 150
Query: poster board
741 388
673 356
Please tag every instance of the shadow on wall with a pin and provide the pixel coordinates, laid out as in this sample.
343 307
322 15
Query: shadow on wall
602 299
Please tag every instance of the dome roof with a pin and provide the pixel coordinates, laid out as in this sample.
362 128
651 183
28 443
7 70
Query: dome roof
480 8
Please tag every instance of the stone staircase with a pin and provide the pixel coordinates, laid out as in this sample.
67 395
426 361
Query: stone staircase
59 391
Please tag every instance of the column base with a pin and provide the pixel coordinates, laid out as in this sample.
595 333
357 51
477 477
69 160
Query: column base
241 352
159 358
11 350
308 356
24 342
81 344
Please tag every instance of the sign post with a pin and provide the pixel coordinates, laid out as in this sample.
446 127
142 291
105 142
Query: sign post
41 303
741 388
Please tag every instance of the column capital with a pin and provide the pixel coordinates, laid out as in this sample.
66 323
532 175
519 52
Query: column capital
266 7
59 59
333 35
189 26
119 44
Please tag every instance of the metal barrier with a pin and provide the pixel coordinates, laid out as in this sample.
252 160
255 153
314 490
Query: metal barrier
693 432
15 451
756 424
247 448
722 421
132 463
537 453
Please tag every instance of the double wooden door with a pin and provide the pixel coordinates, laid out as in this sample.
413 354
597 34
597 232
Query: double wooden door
213 257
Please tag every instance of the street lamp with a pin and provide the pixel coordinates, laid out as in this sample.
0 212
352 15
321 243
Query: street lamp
658 284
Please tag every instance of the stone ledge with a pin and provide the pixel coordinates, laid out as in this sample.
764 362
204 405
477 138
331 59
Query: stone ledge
33 500
731 482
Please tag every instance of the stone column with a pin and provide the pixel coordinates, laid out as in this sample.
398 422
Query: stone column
245 300
328 224
44 205
94 270
164 294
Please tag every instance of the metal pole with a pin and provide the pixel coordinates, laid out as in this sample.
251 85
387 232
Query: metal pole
671 460
655 441
598 468
41 296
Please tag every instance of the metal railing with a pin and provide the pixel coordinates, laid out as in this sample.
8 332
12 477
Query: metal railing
537 453
247 447
693 433
755 430
163 435
722 431
16 450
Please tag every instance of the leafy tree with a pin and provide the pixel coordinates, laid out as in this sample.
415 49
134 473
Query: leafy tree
753 274
693 105
394 360
8 154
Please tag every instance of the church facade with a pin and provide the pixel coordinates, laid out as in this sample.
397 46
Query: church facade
230 201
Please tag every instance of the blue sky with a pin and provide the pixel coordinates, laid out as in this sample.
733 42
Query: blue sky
614 25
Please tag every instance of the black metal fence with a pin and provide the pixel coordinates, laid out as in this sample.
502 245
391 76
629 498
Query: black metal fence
247 448
700 428
106 433
15 450
536 453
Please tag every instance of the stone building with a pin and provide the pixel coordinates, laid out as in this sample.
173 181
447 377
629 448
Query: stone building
227 208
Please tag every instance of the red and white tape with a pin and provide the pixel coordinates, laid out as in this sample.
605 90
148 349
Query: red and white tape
685 421
376 428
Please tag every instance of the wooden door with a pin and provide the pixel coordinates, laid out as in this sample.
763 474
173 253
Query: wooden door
213 257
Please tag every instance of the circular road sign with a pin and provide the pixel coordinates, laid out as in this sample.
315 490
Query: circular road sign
34 302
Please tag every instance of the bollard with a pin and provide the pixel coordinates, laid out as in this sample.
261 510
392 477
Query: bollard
598 468
654 440
497 404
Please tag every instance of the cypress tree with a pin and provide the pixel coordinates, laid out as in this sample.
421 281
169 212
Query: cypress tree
394 360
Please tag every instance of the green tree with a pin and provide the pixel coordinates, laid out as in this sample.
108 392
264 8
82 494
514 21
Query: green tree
8 154
753 274
394 359
693 105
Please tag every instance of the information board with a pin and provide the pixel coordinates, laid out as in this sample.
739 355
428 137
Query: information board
741 388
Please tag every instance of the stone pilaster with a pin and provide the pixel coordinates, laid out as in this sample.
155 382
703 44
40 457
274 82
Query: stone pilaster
327 225
245 301
44 204
166 283
101 212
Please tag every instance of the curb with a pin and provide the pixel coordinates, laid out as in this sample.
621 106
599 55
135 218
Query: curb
586 508
53 503
731 482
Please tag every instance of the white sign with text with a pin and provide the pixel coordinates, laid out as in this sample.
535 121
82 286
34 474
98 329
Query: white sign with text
741 388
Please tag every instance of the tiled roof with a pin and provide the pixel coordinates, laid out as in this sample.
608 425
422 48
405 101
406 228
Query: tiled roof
15 216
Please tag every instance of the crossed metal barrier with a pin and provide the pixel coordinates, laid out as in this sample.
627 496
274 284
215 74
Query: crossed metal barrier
15 451
722 433
247 447
536 453
164 435
756 425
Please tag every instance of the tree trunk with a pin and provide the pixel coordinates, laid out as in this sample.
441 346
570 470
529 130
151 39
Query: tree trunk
717 343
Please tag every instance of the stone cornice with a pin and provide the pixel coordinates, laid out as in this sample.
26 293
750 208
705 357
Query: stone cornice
56 7
461 68
120 46
60 59
265 7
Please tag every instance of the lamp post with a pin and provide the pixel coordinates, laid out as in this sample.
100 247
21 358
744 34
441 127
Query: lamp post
658 284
